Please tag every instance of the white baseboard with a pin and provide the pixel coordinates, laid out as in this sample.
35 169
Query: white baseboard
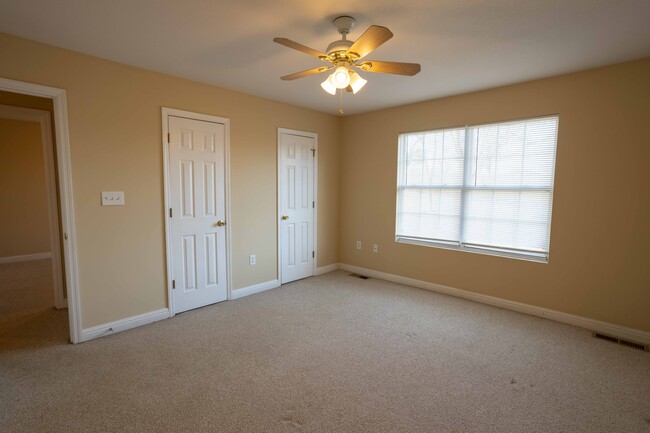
123 324
325 269
25 258
631 334
255 288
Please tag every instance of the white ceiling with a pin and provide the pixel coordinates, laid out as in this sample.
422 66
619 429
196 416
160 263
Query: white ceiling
463 45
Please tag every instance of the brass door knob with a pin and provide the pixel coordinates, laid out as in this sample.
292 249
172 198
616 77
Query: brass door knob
285 217
221 223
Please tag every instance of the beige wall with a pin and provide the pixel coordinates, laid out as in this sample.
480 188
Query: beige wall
600 231
116 144
24 222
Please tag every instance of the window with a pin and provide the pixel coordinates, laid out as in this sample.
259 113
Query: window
482 188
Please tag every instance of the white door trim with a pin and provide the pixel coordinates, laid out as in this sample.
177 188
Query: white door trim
66 203
313 135
166 112
42 117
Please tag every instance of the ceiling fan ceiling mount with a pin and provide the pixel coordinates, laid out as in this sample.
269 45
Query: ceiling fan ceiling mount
344 24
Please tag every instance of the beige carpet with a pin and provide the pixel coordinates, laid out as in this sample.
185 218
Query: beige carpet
326 354
26 289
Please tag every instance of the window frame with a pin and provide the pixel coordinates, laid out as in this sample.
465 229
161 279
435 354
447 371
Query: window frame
513 253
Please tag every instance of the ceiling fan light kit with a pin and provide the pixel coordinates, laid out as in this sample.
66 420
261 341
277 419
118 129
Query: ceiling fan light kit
341 76
328 86
344 56
356 82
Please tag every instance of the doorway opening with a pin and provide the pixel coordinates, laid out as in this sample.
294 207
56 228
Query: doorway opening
39 298
31 273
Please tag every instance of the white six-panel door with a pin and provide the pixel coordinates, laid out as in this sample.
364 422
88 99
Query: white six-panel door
197 216
296 206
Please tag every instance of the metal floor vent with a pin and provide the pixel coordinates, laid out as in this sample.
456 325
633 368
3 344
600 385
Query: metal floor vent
363 277
622 342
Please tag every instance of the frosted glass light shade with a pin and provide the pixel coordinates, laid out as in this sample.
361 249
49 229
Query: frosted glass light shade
328 86
357 82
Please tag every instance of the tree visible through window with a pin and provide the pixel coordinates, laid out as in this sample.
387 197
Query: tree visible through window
483 188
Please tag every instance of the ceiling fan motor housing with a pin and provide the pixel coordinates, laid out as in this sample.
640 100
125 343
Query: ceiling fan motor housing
338 47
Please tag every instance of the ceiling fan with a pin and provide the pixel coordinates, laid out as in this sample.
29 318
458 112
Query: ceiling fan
344 55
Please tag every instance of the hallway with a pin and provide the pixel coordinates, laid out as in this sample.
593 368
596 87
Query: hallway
27 302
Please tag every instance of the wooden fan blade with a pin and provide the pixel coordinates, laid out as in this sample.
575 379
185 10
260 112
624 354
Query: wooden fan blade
371 39
349 89
390 67
300 47
305 73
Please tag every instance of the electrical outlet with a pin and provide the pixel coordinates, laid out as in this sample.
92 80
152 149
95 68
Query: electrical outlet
358 245
251 260
375 248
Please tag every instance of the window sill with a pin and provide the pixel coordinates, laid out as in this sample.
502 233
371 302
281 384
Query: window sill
529 257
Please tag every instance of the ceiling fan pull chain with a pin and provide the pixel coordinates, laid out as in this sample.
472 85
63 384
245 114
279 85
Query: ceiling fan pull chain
341 103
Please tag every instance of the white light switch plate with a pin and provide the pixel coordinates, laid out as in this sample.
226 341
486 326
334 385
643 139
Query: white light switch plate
112 198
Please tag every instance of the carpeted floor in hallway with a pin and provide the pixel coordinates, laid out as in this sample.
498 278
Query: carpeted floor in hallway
326 354
26 289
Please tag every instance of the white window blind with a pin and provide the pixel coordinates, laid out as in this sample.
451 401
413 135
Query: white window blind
482 188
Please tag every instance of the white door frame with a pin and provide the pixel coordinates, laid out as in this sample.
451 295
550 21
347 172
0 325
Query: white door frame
66 203
313 135
166 112
42 117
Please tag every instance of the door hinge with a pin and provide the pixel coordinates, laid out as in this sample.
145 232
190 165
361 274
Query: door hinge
173 284
170 212
313 152
169 138
313 254
313 204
